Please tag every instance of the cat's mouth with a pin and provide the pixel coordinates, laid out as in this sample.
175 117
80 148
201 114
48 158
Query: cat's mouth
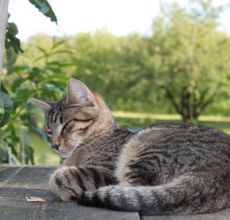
64 152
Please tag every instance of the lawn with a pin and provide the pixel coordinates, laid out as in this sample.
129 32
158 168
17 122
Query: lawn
44 155
141 120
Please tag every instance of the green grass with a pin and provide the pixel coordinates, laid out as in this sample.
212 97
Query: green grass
44 155
139 120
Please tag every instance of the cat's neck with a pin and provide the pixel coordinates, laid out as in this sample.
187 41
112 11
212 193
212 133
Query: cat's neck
110 140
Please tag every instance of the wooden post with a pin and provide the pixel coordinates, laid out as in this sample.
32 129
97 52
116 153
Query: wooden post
3 21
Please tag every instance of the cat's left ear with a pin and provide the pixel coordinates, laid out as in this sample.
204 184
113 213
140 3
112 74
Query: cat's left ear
45 106
79 93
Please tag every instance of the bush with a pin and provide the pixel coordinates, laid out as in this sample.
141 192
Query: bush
18 117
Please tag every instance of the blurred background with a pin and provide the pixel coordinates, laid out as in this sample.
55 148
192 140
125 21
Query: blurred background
152 61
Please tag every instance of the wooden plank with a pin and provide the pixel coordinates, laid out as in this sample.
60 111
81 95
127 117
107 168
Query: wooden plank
221 215
20 194
25 177
13 205
6 173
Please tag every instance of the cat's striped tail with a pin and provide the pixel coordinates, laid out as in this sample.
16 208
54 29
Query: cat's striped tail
173 198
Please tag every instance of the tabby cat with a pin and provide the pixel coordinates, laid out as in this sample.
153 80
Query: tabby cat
163 169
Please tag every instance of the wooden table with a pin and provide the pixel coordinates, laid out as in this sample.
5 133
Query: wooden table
17 183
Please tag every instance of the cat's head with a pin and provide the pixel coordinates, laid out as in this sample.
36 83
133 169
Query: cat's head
71 121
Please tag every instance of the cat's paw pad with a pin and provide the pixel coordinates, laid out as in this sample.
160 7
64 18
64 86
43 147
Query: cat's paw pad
63 183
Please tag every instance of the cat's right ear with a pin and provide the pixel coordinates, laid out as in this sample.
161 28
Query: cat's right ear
79 93
45 106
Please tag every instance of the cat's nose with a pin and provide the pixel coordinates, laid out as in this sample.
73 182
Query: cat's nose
55 146
56 142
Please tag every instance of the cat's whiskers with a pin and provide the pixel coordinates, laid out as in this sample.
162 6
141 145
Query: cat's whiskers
71 144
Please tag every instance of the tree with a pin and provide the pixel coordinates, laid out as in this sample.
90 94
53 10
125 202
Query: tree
190 58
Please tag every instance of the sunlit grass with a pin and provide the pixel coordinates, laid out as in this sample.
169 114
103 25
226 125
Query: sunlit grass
121 114
141 120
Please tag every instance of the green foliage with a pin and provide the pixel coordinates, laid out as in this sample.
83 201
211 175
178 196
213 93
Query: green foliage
190 58
21 83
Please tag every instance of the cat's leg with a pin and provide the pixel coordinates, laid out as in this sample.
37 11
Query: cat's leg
69 182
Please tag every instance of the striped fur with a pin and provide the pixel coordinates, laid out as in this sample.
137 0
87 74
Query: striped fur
164 169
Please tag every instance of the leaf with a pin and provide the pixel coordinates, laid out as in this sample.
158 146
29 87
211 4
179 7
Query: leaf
44 7
6 104
60 64
134 129
34 199
9 157
11 57
61 52
38 131
17 69
11 39
12 44
57 44
13 160
3 152
45 53
29 151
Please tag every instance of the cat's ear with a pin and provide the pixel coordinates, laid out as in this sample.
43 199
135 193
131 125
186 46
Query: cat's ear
78 93
45 106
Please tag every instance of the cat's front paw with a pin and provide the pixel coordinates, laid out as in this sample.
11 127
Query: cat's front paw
64 183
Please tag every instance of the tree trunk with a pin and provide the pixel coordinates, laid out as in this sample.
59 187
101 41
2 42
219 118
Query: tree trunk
188 106
3 22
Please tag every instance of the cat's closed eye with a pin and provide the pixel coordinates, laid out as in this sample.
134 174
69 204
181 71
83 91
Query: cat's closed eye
68 127
76 125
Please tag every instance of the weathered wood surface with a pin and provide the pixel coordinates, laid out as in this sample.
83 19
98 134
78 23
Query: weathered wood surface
17 183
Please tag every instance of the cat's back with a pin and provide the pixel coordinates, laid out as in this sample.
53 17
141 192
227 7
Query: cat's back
178 135
173 149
